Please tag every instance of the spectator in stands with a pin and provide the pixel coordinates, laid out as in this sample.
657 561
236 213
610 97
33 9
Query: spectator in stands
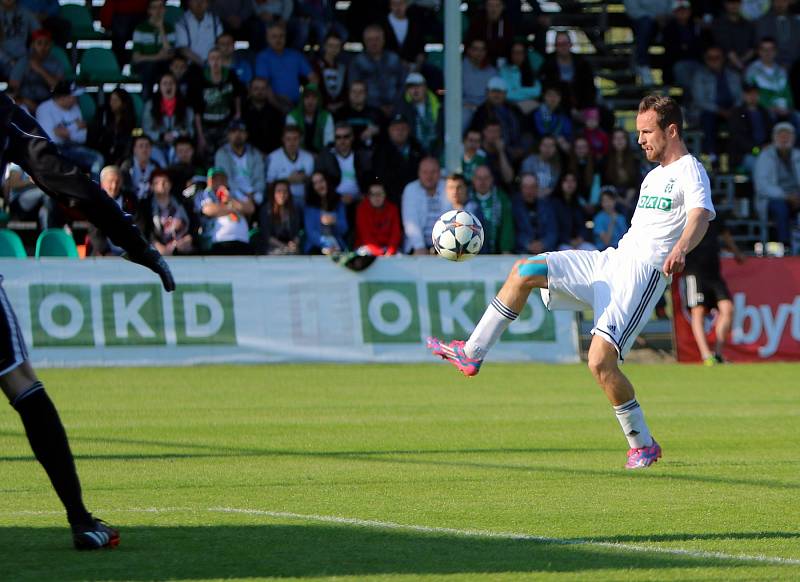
291 163
238 18
594 134
317 16
365 120
396 158
16 26
324 218
493 25
110 132
646 16
524 88
752 10
771 80
457 189
26 201
164 221
137 169
545 165
196 32
735 35
47 12
122 17
263 118
381 69
405 34
348 169
475 74
268 13
424 200
184 166
494 211
330 66
284 68
551 119
535 223
217 100
378 227
750 128
609 225
315 122
224 213
279 222
784 27
238 63
242 163
153 46
98 244
572 231
63 121
166 117
35 75
184 76
716 91
682 36
623 170
473 155
776 180
424 112
497 107
571 73
581 163
498 158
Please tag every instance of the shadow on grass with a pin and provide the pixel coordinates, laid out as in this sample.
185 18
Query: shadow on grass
175 553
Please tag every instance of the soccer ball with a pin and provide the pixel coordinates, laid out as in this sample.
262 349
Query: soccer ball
457 235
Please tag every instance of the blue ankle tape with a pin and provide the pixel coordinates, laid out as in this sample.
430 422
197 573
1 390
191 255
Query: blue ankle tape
534 269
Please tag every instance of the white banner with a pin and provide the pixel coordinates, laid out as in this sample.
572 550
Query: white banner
108 312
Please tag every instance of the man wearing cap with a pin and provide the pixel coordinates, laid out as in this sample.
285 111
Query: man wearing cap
224 212
61 118
776 179
35 75
396 158
243 164
424 113
499 108
314 121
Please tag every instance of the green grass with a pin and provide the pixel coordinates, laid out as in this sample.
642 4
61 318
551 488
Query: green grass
528 449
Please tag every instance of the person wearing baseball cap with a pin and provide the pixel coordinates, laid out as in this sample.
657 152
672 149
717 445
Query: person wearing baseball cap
224 212
242 163
314 121
423 110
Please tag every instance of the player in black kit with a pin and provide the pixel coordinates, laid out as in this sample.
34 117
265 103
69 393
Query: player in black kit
24 142
706 289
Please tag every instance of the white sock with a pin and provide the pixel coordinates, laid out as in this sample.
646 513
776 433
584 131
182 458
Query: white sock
631 419
494 322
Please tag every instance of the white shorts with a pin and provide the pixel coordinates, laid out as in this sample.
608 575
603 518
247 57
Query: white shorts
621 290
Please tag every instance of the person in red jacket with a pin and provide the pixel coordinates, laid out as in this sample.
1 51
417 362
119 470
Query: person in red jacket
378 229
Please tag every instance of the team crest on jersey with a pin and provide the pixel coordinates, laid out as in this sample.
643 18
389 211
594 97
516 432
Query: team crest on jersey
670 184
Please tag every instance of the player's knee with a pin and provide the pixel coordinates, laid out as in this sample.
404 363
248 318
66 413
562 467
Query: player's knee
601 363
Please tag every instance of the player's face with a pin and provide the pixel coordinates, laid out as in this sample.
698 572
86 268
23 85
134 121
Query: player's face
652 138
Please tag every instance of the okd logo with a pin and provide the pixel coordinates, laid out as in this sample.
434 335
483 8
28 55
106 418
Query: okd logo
130 315
390 312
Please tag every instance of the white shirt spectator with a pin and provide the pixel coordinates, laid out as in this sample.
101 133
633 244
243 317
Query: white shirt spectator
199 36
280 167
420 213
50 115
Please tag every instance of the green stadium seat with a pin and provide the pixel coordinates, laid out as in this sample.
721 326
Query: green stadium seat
55 242
88 106
11 245
173 14
99 65
81 21
61 55
138 107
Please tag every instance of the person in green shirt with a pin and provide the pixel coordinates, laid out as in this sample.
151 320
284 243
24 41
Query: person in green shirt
473 156
494 212
153 42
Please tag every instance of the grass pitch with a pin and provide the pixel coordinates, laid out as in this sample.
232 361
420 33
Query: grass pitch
413 473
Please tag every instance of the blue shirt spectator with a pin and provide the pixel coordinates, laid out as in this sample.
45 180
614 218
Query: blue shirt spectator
324 217
548 119
609 225
284 68
535 221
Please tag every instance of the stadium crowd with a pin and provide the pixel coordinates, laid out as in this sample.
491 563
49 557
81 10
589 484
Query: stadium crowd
297 146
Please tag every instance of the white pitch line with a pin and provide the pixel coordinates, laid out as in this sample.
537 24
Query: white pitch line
476 533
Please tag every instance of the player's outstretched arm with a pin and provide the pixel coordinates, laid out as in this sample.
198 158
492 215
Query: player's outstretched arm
696 226
28 146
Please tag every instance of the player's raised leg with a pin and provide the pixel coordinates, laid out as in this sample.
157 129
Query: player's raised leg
525 275
603 363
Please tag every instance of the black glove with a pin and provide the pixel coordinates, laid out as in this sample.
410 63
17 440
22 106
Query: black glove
153 260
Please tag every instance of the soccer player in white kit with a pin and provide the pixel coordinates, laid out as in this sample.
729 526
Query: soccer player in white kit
621 285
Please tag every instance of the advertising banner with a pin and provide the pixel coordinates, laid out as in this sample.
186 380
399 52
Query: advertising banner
106 312
766 324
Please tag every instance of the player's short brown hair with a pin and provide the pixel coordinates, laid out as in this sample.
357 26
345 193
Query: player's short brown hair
667 111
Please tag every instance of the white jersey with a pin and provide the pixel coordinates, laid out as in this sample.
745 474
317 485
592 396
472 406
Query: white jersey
667 194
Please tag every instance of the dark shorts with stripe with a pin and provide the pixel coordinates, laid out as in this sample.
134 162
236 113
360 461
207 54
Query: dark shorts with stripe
705 290
12 345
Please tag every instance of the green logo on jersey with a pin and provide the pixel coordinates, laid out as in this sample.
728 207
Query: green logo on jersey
656 202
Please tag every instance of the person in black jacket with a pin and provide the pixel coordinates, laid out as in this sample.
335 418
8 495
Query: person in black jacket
26 144
578 91
750 127
397 158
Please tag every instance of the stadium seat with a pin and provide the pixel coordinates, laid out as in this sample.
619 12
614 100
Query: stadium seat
99 65
173 14
61 55
88 106
11 245
81 21
138 107
55 242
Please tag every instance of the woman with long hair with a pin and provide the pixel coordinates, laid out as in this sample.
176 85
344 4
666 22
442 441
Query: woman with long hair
623 170
583 165
279 222
167 117
324 217
572 231
545 164
113 126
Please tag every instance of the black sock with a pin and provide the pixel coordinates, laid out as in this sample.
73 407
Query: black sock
51 448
